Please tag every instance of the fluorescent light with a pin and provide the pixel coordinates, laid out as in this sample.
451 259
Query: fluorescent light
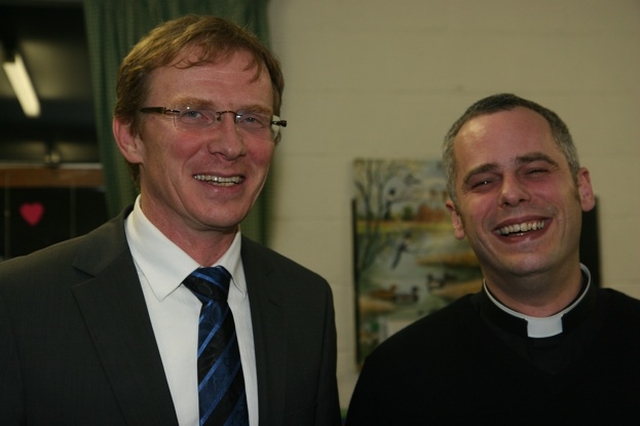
22 86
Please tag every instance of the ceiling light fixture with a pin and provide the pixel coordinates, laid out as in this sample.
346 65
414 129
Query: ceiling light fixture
22 86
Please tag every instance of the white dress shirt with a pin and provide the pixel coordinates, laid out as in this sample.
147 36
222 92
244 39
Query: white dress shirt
174 312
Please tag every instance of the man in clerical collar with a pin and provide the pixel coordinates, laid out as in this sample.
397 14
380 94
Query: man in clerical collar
539 343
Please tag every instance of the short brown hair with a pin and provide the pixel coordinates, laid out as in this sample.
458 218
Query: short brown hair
212 37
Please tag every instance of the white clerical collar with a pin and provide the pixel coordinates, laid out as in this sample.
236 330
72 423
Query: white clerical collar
546 326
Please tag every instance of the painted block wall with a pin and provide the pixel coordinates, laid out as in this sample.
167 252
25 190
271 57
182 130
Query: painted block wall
373 78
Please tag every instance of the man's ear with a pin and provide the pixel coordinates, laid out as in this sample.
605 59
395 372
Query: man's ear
585 190
129 144
456 220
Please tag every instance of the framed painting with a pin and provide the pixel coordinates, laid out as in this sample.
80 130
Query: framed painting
407 262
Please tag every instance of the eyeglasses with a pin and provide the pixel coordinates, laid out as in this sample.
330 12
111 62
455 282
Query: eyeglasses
255 123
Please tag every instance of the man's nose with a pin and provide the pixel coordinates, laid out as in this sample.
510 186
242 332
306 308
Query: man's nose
227 139
512 191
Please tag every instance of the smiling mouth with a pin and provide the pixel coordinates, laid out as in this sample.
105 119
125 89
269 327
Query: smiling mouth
521 228
218 180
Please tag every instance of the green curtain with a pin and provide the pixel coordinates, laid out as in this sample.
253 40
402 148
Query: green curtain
113 27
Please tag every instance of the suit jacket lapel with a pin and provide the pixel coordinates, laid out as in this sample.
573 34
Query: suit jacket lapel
269 332
115 312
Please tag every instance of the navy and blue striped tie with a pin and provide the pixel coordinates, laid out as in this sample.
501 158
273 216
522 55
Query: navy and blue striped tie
221 390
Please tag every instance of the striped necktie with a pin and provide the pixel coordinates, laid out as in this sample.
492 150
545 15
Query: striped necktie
221 392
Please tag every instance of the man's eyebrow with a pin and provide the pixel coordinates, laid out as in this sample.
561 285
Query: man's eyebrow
257 108
535 156
521 159
193 102
484 168
203 103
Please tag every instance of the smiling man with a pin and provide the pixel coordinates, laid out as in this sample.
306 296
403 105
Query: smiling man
519 205
167 315
539 344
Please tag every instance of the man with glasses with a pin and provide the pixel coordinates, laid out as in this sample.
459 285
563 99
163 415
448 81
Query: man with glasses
104 329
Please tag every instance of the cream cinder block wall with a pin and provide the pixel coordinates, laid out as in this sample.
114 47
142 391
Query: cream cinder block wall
373 78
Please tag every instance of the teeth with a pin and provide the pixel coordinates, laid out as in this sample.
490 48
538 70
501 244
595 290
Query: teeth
521 228
218 180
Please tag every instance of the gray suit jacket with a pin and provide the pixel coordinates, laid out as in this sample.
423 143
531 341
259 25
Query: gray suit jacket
77 346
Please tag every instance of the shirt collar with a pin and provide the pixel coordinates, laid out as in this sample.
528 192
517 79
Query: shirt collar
163 263
535 327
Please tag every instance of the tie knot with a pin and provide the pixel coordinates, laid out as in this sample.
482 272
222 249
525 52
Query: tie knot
210 283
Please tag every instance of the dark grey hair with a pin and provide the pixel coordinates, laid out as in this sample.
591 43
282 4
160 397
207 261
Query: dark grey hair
505 102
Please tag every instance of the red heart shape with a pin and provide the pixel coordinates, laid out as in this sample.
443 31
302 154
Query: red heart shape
32 212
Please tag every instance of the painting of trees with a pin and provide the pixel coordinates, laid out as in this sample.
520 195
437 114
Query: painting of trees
405 254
